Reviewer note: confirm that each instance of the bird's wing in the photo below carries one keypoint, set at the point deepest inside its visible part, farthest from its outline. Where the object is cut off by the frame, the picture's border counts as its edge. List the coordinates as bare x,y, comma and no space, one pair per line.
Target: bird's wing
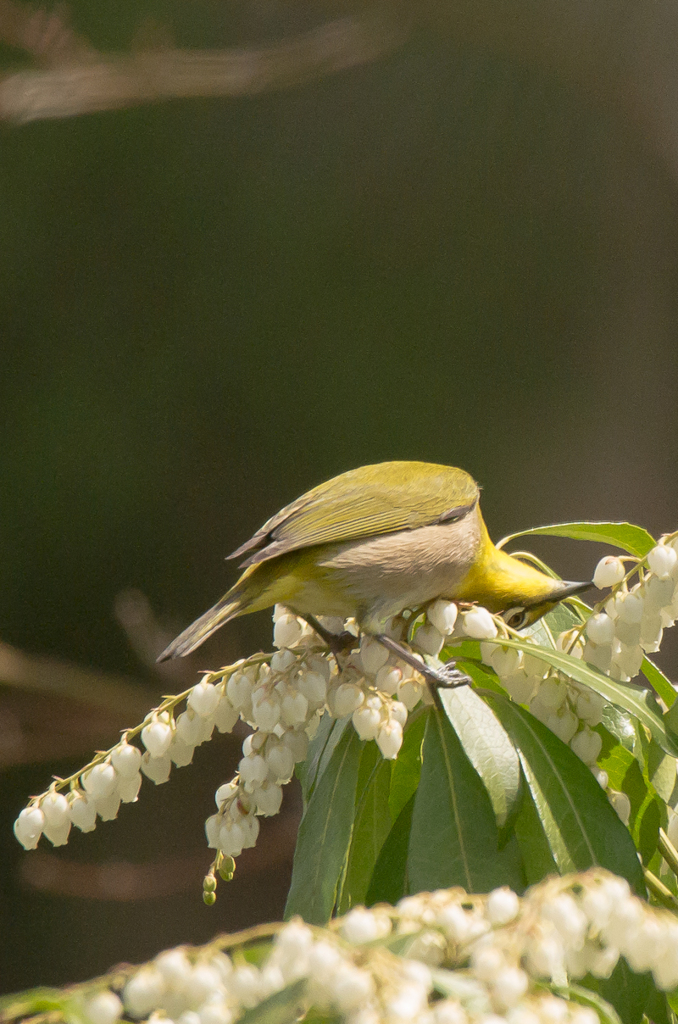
365,502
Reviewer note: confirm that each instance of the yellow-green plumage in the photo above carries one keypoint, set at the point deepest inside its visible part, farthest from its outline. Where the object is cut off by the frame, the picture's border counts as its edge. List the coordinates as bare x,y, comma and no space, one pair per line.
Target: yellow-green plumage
371,542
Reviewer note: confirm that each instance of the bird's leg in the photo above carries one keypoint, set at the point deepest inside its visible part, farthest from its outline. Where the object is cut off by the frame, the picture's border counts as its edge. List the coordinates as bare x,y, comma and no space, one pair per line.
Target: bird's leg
448,676
342,643
338,643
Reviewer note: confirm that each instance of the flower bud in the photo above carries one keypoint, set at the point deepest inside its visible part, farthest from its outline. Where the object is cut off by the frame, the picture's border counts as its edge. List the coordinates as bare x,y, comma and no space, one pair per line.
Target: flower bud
600,629
180,753
157,769
346,699
621,804
108,806
662,560
629,607
287,631
429,640
143,991
83,810
502,906
265,710
409,693
239,690
268,798
126,758
294,709
28,827
586,744
203,699
372,655
479,624
366,722
390,739
609,572
253,770
156,737
128,787
387,679
225,715
55,808
103,1008
280,761
100,781
443,615
282,661
313,686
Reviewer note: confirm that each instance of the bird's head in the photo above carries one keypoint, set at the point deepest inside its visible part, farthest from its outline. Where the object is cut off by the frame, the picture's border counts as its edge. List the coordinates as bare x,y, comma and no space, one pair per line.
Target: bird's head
513,588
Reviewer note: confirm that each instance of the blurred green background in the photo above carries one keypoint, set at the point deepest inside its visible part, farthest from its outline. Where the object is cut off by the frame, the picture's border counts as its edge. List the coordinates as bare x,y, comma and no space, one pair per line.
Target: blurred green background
458,253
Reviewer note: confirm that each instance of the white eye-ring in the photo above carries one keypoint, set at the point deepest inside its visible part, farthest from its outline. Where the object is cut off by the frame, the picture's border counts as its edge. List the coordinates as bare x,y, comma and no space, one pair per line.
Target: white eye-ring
516,618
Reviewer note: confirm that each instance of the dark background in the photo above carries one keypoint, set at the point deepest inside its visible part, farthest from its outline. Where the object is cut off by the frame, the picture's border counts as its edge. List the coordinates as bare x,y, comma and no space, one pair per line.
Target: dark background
466,253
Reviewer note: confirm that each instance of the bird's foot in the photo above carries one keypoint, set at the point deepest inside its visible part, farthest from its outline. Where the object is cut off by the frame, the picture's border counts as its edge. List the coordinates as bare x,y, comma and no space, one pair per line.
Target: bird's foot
450,676
338,643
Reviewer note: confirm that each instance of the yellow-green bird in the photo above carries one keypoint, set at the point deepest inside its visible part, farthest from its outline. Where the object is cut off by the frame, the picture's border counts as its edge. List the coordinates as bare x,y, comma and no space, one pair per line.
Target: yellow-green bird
372,542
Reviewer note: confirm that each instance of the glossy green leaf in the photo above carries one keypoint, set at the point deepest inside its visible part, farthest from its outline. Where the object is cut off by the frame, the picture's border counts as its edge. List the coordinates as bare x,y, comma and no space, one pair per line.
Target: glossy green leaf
581,827
661,770
389,882
487,747
538,862
320,751
633,539
586,997
407,766
372,825
454,838
325,834
282,1007
640,703
659,682
629,993
646,828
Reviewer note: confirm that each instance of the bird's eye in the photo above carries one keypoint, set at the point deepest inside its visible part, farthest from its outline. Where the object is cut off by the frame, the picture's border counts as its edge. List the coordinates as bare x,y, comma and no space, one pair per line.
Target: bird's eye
516,618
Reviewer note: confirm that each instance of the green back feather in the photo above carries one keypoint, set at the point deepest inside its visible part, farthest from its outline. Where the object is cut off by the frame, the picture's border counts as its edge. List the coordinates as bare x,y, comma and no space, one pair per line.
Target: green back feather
365,502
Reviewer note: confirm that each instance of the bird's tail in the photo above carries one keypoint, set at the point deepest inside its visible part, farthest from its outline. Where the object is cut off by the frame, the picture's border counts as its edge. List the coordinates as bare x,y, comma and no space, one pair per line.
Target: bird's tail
194,635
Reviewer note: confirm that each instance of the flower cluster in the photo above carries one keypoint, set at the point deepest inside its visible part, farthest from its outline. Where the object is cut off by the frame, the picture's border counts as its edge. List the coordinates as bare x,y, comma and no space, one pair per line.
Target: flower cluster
463,960
282,696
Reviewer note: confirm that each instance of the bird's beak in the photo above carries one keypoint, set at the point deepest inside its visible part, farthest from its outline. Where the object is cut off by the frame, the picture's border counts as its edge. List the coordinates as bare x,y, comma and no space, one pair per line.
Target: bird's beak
569,589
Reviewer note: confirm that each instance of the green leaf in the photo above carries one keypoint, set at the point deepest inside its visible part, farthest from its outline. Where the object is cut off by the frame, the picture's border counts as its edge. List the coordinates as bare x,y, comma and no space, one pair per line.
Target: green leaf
454,838
646,828
389,881
407,766
536,853
562,618
659,682
658,1009
487,747
625,774
640,703
581,827
629,993
661,770
282,1007
626,536
586,997
325,834
372,825
320,751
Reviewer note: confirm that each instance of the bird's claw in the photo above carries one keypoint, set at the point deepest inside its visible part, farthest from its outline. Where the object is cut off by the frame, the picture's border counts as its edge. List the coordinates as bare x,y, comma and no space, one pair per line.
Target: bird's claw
342,643
450,676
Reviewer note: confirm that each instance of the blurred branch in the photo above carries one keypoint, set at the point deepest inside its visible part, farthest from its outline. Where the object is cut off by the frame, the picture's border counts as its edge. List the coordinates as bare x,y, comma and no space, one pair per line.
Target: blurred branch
88,81
104,690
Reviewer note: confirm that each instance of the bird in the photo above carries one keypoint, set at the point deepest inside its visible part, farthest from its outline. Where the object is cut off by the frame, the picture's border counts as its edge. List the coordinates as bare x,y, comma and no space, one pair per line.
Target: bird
371,542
